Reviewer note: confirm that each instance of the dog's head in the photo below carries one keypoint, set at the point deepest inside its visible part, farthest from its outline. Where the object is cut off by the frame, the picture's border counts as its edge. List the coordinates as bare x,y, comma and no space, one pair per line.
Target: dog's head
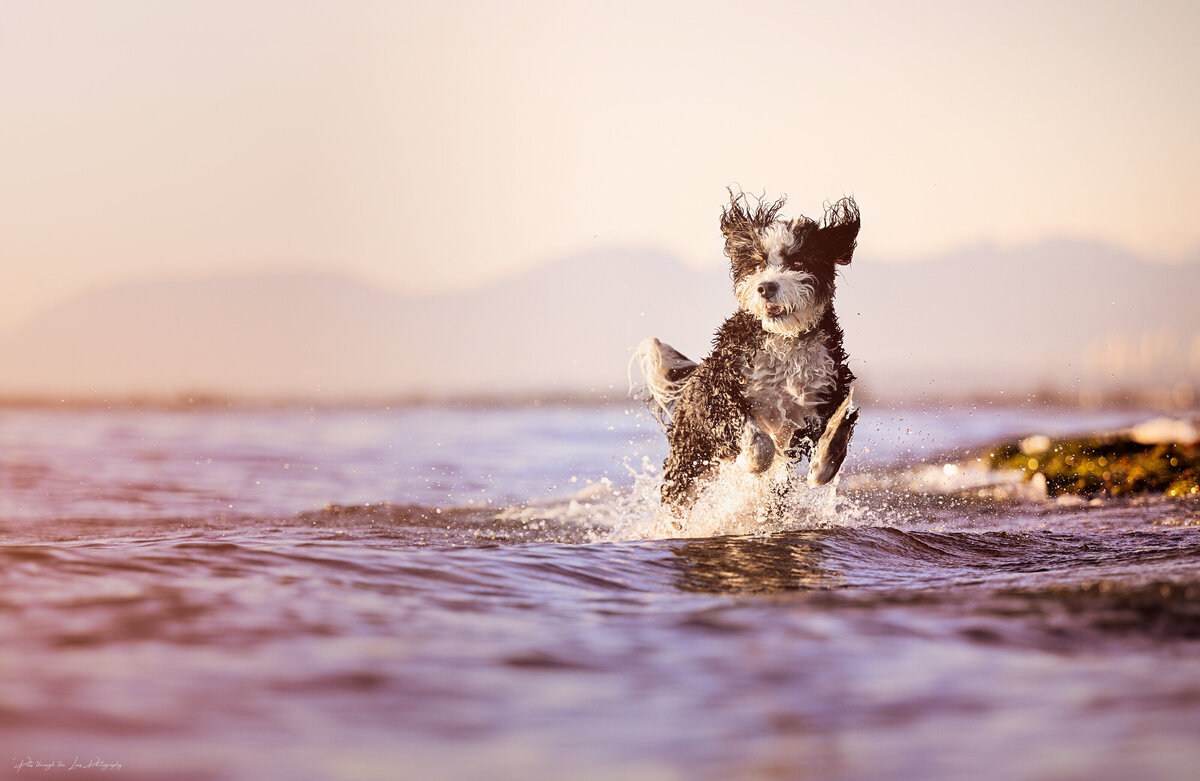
784,270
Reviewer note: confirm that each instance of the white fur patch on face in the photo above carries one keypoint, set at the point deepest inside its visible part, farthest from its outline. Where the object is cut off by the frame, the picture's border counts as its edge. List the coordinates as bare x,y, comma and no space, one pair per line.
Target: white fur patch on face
782,297
795,296
776,240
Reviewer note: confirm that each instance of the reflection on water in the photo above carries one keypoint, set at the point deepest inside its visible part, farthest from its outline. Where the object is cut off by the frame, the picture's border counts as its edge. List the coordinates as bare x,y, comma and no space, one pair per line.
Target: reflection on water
783,562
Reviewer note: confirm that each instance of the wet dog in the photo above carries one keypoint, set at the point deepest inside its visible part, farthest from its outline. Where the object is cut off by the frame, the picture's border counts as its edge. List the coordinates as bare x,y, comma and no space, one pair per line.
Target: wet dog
776,386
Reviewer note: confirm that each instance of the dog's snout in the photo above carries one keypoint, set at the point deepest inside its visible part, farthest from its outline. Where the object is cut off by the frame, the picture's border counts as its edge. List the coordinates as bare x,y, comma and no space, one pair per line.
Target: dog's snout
768,290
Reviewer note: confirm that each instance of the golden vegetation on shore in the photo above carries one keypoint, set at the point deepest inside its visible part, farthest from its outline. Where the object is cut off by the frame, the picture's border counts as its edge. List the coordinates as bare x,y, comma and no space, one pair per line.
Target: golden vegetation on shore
1160,456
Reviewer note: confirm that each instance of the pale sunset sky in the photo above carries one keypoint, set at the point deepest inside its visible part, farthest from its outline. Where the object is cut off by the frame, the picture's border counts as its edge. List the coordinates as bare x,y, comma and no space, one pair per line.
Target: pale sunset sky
424,146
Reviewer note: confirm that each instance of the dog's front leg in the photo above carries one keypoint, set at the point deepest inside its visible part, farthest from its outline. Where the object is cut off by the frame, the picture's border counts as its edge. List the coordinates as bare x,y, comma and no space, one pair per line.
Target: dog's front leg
757,449
830,450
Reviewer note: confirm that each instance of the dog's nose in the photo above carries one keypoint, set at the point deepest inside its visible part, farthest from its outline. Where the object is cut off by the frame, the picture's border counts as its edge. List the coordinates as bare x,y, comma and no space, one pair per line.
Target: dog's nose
768,290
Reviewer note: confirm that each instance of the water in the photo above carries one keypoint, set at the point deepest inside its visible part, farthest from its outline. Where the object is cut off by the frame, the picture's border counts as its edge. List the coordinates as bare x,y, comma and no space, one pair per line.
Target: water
433,592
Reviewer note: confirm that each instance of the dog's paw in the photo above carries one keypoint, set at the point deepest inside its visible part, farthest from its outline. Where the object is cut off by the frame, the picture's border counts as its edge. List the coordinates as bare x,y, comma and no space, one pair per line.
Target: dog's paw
830,451
757,449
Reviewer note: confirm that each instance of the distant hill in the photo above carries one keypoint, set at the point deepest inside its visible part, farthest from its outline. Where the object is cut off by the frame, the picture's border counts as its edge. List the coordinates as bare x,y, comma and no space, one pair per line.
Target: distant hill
1056,313
567,326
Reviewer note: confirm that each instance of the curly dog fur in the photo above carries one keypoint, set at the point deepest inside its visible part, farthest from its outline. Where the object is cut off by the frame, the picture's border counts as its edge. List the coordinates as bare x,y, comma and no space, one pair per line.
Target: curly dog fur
776,384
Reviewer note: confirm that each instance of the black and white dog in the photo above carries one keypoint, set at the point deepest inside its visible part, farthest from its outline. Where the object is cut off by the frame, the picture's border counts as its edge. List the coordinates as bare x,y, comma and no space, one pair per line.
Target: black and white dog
776,385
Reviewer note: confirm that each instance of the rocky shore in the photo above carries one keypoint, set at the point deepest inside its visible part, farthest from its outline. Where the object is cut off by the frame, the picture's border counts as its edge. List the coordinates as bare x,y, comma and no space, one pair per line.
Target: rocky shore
1160,456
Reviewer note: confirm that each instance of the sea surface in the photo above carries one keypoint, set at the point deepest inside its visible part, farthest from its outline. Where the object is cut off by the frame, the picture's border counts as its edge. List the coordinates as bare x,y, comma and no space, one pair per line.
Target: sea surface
442,592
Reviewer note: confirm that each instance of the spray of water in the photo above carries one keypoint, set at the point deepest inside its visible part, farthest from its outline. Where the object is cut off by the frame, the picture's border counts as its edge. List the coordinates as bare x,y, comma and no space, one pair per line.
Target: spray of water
733,502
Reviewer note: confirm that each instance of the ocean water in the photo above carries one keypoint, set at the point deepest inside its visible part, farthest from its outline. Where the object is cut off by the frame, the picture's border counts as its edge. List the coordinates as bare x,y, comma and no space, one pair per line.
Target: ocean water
434,592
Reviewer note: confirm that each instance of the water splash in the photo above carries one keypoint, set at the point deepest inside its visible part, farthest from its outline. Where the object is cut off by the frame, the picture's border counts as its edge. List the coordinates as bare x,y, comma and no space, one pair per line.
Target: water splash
733,502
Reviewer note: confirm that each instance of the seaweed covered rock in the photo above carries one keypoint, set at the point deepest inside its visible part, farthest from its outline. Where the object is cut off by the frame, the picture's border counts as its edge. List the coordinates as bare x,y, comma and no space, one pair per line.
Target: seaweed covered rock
1160,456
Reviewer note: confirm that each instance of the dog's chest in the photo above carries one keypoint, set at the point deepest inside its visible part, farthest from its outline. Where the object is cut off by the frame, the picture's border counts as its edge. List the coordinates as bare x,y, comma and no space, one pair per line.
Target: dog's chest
786,381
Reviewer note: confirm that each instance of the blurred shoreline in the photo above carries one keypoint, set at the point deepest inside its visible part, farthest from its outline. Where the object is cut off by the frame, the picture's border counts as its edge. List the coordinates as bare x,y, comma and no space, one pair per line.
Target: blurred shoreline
1176,398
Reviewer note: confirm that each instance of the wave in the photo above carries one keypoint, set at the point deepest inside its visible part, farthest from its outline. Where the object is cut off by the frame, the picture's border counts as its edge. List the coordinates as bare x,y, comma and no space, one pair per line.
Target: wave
887,541
922,497
1142,582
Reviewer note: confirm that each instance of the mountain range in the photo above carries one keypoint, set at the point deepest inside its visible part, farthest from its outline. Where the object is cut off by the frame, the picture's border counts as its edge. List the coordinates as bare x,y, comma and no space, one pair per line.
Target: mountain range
1054,314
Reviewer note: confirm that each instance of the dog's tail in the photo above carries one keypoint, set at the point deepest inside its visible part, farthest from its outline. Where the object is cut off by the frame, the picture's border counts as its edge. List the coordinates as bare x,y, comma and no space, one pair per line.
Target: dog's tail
664,371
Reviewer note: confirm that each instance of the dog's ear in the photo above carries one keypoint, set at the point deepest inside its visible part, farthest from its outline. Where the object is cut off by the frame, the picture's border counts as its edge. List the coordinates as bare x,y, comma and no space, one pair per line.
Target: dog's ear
740,217
838,235
735,218
736,224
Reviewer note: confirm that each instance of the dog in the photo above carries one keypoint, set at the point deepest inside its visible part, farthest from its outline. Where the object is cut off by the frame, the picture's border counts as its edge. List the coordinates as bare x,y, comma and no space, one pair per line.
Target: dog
776,387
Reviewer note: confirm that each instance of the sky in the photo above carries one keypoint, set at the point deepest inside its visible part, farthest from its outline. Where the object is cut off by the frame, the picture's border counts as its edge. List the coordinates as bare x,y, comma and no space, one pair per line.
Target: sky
426,147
